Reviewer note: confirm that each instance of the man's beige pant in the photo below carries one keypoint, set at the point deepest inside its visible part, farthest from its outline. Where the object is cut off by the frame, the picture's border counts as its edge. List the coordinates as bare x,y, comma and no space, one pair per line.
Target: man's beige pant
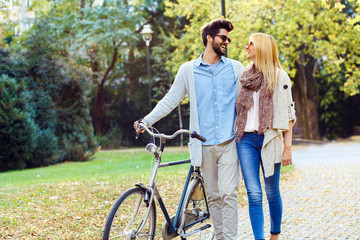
221,174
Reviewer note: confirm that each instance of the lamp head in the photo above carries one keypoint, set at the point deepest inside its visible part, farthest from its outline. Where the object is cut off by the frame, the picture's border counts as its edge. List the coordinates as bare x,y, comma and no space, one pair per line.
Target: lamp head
147,33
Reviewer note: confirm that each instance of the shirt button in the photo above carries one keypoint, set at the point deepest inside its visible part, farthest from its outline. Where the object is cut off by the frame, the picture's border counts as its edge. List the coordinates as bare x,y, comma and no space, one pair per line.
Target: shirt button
216,126
215,102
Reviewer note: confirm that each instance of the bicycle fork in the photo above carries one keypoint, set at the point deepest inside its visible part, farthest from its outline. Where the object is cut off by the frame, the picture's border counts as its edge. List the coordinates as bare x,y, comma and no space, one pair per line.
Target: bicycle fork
149,194
147,200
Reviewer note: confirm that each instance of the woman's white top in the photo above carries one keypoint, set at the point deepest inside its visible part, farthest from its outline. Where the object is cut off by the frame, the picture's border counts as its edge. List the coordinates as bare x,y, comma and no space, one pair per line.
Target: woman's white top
252,122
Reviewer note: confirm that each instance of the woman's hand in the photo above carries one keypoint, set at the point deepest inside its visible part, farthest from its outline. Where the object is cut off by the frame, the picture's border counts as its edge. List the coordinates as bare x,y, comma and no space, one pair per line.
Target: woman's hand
286,157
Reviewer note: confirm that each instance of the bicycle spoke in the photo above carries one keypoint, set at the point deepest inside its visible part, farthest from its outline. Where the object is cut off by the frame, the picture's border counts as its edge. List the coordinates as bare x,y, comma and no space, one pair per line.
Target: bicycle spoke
135,212
127,219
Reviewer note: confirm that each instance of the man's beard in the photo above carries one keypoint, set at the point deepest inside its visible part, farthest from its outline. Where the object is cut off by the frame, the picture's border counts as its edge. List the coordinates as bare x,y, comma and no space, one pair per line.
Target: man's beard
217,49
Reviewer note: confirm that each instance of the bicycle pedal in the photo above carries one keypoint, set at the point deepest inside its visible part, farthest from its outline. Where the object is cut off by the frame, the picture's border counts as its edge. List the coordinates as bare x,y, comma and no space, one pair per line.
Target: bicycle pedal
194,212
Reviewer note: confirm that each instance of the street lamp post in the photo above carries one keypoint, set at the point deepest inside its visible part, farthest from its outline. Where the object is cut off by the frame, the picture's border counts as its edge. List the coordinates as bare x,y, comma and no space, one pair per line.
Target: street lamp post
147,36
223,16
223,8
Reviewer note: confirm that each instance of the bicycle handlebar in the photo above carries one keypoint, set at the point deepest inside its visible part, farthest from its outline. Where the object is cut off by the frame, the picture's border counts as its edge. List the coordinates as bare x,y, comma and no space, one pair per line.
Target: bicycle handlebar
193,134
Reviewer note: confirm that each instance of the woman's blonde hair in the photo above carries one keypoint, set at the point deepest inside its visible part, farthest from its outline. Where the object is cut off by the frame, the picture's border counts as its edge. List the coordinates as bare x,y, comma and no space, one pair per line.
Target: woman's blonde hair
267,60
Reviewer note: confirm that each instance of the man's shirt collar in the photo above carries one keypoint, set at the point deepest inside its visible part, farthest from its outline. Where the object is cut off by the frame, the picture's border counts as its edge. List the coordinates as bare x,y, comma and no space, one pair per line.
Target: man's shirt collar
200,61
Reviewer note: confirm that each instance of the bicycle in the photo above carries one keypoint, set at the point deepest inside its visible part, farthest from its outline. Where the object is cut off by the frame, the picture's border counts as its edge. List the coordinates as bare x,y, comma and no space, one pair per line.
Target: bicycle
133,215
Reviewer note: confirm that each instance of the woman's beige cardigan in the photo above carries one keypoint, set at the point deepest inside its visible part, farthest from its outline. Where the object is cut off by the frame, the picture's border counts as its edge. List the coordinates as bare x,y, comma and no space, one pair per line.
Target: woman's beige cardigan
284,111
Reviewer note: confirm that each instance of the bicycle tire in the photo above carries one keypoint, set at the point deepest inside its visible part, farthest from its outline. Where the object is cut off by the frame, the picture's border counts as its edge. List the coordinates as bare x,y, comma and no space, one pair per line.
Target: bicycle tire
122,223
194,208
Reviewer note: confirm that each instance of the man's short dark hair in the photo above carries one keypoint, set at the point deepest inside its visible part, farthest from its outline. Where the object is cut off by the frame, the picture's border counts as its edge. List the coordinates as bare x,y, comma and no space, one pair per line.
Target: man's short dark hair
212,28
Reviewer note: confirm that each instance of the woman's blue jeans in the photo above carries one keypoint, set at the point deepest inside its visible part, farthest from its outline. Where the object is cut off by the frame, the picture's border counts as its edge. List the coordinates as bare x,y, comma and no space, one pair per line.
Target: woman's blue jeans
249,151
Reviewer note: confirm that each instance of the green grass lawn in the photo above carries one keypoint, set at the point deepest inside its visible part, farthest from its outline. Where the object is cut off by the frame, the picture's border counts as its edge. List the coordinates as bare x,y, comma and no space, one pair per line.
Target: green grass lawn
105,165
72,200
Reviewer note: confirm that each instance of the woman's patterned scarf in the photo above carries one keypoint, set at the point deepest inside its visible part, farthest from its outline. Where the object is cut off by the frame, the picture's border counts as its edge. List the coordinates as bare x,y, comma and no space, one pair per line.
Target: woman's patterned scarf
252,80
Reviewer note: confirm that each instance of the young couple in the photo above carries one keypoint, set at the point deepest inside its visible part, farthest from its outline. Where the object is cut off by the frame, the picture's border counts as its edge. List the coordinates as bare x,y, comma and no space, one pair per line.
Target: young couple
242,113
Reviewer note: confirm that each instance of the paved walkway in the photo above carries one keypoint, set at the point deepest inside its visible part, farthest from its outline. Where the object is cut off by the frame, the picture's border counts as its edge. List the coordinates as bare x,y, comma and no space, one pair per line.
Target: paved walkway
322,200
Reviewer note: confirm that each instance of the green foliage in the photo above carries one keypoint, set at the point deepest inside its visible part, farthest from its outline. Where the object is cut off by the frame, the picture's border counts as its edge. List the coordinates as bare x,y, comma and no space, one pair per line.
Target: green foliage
17,128
337,110
320,29
64,88
121,113
28,121
112,140
74,51
74,128
88,39
56,112
126,91
327,32
188,45
6,62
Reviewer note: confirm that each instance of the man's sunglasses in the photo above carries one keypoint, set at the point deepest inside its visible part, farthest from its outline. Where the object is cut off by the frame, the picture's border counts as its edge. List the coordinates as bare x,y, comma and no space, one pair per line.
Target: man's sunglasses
224,38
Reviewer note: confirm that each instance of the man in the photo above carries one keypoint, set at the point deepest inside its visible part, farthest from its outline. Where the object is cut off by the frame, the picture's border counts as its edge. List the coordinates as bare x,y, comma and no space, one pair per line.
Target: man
210,82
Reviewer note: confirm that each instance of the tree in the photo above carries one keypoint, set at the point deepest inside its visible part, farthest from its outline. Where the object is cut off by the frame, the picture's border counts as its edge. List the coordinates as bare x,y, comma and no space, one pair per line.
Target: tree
45,102
104,43
319,37
102,38
126,97
65,86
17,128
27,119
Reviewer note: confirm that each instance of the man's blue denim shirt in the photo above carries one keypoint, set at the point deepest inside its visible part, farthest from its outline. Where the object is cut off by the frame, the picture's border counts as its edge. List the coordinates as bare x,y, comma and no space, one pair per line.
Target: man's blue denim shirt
215,96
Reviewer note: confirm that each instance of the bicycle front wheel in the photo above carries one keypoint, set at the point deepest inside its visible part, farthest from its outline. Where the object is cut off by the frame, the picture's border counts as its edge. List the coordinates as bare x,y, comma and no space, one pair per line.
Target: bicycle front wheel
195,209
127,215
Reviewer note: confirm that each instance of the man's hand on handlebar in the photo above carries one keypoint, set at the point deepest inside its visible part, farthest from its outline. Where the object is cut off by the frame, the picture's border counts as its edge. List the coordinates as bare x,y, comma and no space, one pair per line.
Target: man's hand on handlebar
136,123
143,125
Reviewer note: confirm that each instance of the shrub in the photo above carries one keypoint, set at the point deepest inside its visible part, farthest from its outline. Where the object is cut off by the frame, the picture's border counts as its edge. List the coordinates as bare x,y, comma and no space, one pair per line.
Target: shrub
17,128
44,110
112,140
74,127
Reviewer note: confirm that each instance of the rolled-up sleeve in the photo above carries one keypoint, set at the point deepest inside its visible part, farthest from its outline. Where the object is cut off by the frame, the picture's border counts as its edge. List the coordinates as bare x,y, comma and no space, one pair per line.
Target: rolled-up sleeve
291,110
290,103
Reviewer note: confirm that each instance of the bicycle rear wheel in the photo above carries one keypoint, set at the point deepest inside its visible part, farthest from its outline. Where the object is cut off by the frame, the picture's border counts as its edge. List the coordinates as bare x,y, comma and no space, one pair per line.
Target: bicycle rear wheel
127,215
195,208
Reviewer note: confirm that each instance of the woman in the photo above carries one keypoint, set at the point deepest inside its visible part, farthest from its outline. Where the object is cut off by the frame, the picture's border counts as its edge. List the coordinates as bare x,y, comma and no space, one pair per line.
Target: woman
264,111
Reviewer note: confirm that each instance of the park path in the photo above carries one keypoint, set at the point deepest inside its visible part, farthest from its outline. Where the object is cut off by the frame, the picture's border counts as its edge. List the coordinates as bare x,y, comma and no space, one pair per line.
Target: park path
322,200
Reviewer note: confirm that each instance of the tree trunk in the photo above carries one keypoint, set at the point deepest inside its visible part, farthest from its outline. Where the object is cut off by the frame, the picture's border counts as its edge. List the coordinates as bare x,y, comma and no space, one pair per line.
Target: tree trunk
306,97
132,72
356,100
98,111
